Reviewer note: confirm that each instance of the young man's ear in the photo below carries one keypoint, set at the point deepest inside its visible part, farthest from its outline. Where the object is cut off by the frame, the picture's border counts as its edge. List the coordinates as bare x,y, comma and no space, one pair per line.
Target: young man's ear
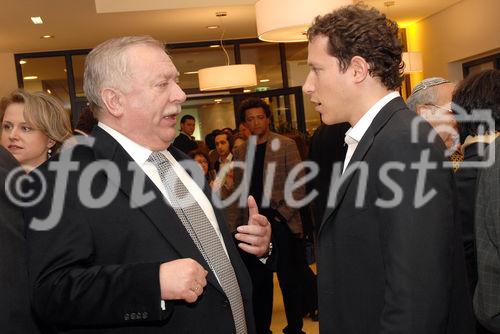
113,100
360,68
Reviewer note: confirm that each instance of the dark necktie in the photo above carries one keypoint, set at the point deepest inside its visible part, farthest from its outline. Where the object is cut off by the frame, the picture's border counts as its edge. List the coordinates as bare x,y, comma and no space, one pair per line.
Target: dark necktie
204,236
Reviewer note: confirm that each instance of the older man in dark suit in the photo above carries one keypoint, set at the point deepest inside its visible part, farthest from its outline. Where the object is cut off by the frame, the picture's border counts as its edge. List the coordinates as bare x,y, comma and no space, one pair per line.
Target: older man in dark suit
128,241
15,310
389,253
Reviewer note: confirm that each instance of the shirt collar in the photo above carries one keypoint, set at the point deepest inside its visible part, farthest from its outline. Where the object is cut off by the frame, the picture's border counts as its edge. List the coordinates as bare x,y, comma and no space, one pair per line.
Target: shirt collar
229,158
358,130
139,153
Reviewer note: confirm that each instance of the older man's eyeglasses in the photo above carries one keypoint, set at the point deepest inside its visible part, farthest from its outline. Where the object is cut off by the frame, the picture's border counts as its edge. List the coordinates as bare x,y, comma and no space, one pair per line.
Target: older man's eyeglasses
439,107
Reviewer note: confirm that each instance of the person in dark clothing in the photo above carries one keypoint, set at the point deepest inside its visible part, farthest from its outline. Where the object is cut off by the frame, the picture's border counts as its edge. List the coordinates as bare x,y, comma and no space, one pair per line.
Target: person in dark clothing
282,154
478,93
185,140
327,148
15,310
388,262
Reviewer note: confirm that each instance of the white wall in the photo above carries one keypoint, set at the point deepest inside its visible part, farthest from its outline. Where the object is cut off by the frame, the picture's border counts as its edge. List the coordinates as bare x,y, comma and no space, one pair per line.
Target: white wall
8,79
467,30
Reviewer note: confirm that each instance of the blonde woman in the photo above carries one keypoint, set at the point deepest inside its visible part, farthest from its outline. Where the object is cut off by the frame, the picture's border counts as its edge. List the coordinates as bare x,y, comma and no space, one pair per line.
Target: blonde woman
34,126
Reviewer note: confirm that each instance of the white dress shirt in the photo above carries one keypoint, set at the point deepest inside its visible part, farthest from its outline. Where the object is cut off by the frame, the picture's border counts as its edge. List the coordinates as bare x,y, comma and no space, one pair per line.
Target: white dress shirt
141,154
355,133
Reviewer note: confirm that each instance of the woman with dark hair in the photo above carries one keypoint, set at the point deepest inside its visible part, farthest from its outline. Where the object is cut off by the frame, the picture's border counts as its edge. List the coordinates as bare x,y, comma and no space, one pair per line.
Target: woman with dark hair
472,100
202,159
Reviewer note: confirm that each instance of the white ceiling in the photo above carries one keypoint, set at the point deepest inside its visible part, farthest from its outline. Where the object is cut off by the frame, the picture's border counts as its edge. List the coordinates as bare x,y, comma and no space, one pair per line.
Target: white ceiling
76,24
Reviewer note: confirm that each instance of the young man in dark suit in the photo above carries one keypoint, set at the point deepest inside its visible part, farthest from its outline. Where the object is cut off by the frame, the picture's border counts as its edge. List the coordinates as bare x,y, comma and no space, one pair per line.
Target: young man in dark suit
185,140
15,310
389,253
127,241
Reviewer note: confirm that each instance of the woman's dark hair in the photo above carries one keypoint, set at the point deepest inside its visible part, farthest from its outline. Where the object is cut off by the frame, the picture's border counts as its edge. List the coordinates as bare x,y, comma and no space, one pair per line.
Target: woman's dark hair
86,121
356,30
253,102
192,154
210,140
477,94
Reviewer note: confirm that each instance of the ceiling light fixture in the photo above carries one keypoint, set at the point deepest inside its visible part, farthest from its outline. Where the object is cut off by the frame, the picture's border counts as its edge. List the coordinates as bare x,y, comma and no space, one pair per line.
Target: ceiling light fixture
218,100
30,77
227,76
247,90
295,17
264,80
22,62
36,20
191,72
47,36
213,27
214,46
49,91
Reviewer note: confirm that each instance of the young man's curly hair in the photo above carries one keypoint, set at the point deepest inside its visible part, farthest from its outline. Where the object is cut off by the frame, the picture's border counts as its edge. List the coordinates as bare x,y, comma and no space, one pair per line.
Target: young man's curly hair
357,31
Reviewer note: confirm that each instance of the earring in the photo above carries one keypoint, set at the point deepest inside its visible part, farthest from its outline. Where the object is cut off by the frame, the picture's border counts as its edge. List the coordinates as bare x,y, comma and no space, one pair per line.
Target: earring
49,153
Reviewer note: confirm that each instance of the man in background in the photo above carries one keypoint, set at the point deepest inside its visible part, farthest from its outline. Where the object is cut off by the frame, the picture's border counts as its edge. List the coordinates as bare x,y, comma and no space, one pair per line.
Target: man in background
431,99
278,155
185,140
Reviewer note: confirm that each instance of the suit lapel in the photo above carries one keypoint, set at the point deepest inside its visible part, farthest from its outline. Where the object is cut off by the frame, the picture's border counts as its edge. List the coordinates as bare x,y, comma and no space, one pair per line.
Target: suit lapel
158,211
342,182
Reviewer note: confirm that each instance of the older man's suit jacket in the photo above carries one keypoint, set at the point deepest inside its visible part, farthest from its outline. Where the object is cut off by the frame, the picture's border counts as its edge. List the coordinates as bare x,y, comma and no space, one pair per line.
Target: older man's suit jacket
398,269
281,158
15,310
97,270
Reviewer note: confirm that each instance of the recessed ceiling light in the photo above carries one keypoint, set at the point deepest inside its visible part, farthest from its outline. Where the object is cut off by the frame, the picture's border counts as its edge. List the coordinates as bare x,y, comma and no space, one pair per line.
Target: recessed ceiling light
49,91
218,100
31,77
247,90
22,62
47,36
191,72
36,20
264,80
214,45
213,27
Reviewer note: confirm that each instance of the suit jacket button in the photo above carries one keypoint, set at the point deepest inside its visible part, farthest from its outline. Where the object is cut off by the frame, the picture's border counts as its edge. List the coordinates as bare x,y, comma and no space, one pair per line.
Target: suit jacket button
126,317
132,316
144,315
226,304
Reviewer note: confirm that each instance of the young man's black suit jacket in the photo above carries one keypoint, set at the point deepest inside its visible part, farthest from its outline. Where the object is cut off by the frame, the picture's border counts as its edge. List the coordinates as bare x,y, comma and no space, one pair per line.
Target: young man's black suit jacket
15,310
394,270
97,271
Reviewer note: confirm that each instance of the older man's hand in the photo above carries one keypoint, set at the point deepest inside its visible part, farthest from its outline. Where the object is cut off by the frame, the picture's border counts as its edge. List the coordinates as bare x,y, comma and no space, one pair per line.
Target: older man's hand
256,236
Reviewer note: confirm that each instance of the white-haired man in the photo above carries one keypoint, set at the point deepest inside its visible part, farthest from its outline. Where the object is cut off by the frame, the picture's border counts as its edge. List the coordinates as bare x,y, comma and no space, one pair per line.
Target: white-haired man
155,257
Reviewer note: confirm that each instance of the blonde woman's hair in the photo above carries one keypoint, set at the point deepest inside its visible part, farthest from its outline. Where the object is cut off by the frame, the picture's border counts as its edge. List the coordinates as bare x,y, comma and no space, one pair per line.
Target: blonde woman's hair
42,111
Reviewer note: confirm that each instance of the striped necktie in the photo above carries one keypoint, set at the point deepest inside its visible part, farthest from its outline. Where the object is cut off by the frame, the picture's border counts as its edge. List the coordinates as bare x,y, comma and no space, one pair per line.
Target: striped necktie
204,236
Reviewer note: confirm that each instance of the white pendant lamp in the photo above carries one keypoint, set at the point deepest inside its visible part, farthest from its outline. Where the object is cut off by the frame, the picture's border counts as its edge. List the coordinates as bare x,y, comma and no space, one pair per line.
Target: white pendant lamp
287,20
227,76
